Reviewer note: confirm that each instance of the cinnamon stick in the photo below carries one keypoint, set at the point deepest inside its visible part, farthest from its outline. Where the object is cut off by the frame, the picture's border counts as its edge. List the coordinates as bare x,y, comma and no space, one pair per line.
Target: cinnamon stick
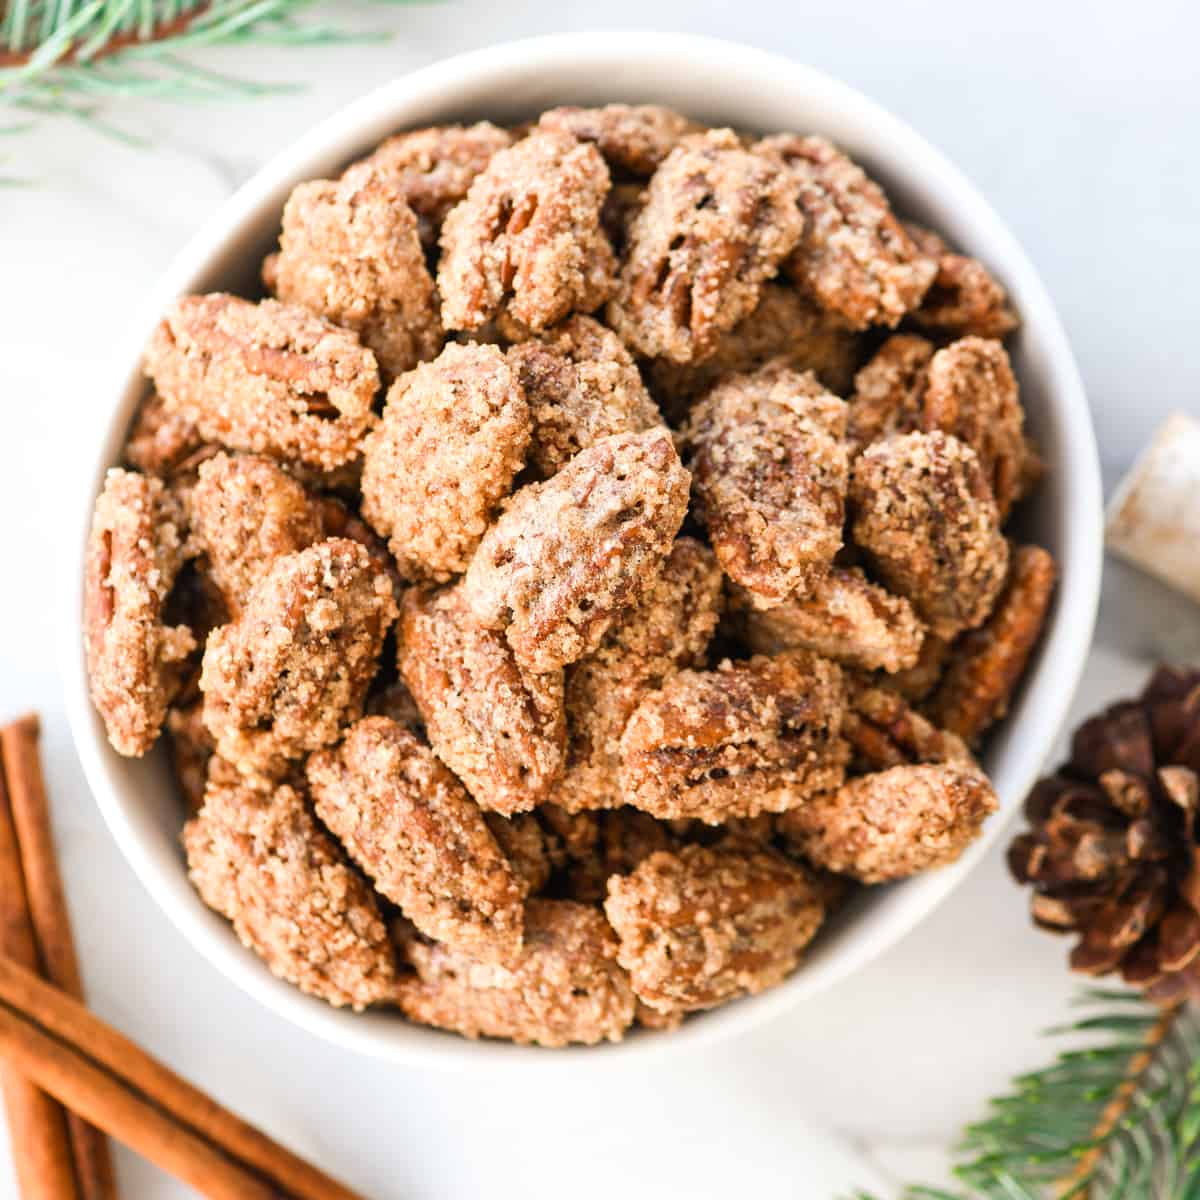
95,1071
47,907
36,1122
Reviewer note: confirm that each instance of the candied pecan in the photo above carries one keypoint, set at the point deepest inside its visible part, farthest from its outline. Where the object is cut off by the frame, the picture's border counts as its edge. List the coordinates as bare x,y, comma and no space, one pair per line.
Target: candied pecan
972,394
964,298
434,167
267,377
917,681
702,925
893,823
565,987
396,702
294,668
620,207
134,660
192,748
883,731
256,855
349,252
785,326
163,443
412,828
581,384
670,628
988,662
926,516
770,472
498,727
453,435
527,238
523,842
244,512
854,257
625,837
716,222
749,737
846,618
569,555
634,138
889,391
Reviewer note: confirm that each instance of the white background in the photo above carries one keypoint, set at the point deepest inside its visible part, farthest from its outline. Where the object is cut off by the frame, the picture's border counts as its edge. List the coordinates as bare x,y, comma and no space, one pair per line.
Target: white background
1079,121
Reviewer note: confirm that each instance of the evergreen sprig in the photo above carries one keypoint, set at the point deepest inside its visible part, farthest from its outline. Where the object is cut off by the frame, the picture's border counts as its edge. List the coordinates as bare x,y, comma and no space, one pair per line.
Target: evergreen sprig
1118,1119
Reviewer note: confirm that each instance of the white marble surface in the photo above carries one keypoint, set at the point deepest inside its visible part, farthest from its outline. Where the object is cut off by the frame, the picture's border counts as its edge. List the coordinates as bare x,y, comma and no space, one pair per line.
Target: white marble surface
1079,123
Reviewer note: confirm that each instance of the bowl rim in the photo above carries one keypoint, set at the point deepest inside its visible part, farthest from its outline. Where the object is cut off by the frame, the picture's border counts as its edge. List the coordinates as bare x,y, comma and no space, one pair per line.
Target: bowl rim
1049,687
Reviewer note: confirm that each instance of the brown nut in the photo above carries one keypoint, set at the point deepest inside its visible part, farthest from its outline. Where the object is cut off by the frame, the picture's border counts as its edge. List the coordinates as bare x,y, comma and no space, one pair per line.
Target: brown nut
412,828
769,479
568,556
633,138
702,925
523,842
889,391
192,748
883,731
164,443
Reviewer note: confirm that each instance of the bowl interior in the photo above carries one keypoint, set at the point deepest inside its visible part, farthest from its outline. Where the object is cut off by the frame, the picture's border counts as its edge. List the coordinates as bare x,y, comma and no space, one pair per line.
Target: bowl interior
721,84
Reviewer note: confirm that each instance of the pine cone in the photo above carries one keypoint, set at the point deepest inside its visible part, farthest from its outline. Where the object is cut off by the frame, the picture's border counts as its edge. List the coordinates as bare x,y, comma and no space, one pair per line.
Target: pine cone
1112,853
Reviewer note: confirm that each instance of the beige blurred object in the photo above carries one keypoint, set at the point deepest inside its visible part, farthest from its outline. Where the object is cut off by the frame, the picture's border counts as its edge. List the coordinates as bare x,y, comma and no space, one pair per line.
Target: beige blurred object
1154,516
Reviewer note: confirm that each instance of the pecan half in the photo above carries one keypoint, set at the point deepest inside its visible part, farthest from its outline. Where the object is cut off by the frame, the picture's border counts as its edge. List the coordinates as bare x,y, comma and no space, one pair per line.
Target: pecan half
192,748
164,443
633,138
883,731
889,391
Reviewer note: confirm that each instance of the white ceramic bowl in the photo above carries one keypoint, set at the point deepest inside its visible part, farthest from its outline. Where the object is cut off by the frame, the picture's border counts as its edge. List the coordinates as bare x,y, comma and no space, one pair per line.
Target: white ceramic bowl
719,83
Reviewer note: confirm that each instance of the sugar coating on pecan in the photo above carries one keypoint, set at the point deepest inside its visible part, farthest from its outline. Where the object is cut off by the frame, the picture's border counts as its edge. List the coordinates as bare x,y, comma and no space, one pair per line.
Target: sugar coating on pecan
845,617
924,513
256,855
884,731
634,138
785,326
192,748
716,222
499,727
523,842
916,682
268,377
581,384
669,629
964,298
769,472
527,238
411,827
625,838
293,669
703,925
394,701
567,556
350,252
893,823
756,736
243,513
989,661
565,987
163,443
854,258
134,553
454,434
889,391
434,167
972,394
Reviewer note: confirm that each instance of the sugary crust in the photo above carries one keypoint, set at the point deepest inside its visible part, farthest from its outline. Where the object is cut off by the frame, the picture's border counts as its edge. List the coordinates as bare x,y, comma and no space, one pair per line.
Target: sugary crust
434,167
396,702
134,553
670,628
293,669
244,512
256,855
846,617
889,391
924,513
350,252
915,683
581,385
716,222
894,823
527,238
497,726
566,986
192,748
988,663
703,925
163,443
785,326
569,555
412,828
769,478
267,377
523,842
854,257
749,737
454,434
964,298
633,138
884,731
